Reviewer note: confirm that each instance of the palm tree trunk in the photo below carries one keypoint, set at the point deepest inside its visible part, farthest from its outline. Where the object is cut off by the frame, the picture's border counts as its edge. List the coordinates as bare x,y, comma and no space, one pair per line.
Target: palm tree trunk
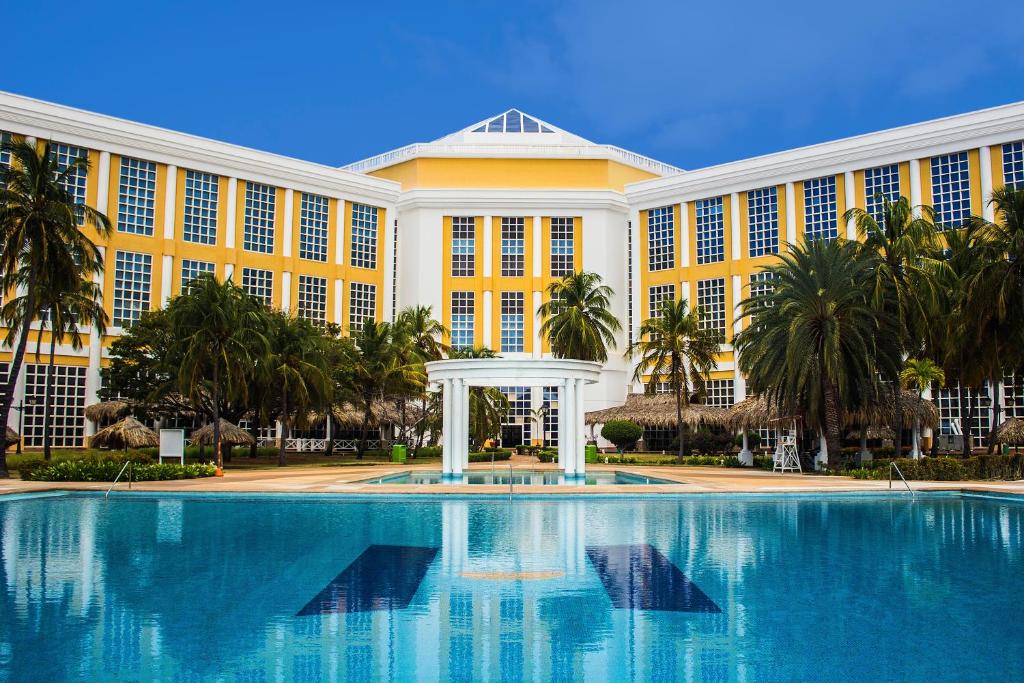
368,412
47,400
965,418
282,459
897,426
254,430
7,399
216,420
329,451
832,424
680,433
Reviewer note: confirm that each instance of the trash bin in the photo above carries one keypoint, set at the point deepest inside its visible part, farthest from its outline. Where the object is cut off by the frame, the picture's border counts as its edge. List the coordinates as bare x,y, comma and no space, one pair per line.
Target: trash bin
1006,449
590,453
398,452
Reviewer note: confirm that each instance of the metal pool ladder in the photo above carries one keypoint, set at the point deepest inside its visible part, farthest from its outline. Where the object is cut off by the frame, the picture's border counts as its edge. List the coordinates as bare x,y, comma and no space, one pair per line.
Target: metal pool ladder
510,482
893,466
126,466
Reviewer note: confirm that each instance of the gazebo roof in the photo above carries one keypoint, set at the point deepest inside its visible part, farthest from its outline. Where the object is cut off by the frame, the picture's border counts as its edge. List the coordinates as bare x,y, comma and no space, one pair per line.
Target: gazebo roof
658,410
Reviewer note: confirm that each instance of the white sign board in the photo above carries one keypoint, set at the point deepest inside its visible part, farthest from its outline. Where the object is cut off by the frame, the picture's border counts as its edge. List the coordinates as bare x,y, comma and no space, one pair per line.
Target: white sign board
172,444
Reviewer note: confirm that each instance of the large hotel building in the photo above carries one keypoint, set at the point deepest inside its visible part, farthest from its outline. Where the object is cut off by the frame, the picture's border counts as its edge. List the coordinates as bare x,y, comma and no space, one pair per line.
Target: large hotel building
476,225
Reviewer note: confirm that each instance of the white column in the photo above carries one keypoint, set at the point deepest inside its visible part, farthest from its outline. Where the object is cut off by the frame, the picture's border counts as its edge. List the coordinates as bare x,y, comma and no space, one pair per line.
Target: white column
822,456
458,423
988,211
229,229
289,210
488,229
637,290
486,320
581,438
464,440
684,236
537,345
927,395
229,271
684,288
166,273
851,201
338,290
339,233
790,213
734,223
389,263
563,448
92,377
286,291
571,440
446,427
103,182
170,201
538,247
915,186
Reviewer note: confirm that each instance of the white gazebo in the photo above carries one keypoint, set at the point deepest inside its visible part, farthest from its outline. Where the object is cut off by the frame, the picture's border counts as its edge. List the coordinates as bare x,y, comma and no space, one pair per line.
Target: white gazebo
456,376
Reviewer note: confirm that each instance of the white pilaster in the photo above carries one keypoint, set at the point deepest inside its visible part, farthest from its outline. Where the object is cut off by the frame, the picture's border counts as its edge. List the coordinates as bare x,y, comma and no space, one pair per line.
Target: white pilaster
790,213
446,427
684,236
286,291
464,440
685,293
915,186
851,201
581,437
563,447
457,426
571,438
988,211
486,320
488,239
338,289
389,263
289,212
103,182
734,224
166,273
737,296
537,346
170,201
538,247
229,271
229,229
92,375
339,233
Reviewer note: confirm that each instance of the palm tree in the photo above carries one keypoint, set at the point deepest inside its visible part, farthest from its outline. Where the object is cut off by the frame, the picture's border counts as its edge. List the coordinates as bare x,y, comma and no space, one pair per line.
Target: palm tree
39,234
576,317
418,339
676,347
297,368
903,289
220,332
918,374
810,345
488,407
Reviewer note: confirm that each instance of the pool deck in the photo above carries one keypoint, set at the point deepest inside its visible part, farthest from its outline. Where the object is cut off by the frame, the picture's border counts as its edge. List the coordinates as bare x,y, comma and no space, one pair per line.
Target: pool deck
351,480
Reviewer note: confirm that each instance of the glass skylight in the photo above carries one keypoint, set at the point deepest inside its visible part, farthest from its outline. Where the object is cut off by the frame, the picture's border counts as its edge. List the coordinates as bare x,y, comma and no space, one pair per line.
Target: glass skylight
512,121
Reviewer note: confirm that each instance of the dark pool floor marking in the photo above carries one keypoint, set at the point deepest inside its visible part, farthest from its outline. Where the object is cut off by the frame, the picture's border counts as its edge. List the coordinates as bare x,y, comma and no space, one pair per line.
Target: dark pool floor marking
384,577
640,577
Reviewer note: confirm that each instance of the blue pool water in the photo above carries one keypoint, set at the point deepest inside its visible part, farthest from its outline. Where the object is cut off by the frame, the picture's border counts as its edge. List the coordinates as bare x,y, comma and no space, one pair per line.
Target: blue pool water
303,587
520,478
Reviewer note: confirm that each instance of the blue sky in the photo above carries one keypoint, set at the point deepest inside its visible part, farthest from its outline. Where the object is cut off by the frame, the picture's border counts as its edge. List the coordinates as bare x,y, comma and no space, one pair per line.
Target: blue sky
691,84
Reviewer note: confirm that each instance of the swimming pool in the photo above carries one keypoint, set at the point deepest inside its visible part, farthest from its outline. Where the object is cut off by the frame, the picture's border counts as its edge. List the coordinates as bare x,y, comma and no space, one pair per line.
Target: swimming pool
703,587
520,478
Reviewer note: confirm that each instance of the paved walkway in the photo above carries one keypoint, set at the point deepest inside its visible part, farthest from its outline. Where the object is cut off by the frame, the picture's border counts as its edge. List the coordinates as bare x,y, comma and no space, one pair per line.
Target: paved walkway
325,479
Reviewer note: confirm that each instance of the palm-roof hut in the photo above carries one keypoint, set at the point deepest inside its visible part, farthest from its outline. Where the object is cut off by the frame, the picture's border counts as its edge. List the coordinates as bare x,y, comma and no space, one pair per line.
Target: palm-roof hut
229,433
11,437
107,411
127,433
882,413
1011,431
658,411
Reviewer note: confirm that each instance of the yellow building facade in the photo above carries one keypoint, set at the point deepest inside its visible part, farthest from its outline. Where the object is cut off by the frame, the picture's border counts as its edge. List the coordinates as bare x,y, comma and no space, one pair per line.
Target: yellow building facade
476,225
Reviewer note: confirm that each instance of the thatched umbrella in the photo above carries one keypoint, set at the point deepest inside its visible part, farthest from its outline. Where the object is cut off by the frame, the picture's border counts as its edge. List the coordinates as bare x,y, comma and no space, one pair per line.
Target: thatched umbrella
11,437
229,433
658,410
128,433
106,411
883,413
1011,431
754,412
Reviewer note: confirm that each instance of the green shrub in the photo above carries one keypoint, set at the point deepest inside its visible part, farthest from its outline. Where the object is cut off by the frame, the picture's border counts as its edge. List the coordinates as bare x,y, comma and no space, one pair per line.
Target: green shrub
764,462
428,452
623,433
1002,467
753,440
107,470
547,455
486,456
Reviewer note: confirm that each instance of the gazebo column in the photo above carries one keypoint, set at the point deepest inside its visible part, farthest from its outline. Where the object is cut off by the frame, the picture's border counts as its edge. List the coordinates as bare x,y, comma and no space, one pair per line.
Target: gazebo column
459,420
464,444
571,456
562,442
581,436
746,457
447,443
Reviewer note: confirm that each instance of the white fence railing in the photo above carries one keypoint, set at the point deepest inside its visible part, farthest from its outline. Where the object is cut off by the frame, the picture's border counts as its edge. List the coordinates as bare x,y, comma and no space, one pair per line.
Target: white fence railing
320,445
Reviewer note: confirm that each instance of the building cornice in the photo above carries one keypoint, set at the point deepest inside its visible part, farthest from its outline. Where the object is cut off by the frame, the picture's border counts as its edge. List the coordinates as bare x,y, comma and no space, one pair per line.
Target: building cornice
527,200
916,141
45,120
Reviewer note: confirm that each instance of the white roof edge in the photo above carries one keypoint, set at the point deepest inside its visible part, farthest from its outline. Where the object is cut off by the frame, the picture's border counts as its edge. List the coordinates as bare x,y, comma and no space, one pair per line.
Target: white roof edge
45,120
916,140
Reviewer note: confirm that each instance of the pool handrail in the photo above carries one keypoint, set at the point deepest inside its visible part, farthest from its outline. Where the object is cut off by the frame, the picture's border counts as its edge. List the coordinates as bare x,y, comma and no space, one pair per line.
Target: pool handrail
127,466
905,482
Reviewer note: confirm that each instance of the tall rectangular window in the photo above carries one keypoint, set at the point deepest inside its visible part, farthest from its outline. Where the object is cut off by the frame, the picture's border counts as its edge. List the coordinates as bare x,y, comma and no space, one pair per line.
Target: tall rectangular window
761,283
67,408
513,322
313,216
5,156
880,182
1013,165
133,275
463,246
136,197
563,246
947,400
199,217
191,269
661,238
710,230
763,221
951,189
720,393
364,236
312,299
74,183
520,412
1013,394
550,406
259,283
711,301
656,296
463,319
513,247
820,208
362,305
258,221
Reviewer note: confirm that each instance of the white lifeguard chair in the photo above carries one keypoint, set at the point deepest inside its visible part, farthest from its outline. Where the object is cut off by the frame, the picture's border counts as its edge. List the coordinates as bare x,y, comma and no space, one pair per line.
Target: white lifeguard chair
787,456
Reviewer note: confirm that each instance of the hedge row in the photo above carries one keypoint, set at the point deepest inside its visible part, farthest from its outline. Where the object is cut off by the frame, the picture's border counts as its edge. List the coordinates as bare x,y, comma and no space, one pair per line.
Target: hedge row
1003,467
485,456
107,470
